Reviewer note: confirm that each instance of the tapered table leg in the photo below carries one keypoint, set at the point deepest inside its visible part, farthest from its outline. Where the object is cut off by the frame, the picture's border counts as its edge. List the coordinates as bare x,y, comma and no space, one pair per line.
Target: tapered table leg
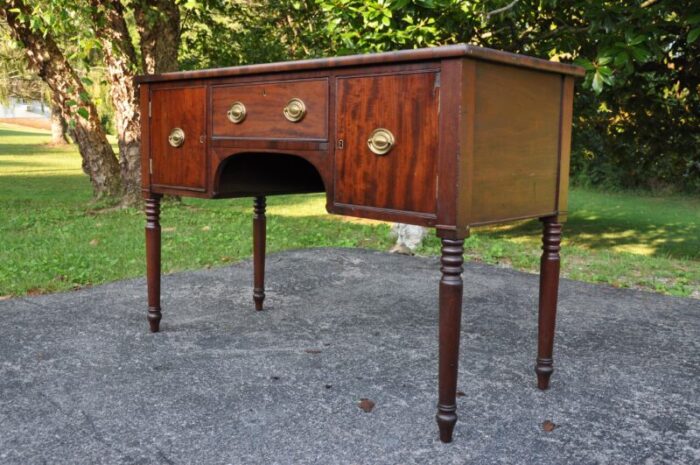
450,320
259,227
153,260
549,288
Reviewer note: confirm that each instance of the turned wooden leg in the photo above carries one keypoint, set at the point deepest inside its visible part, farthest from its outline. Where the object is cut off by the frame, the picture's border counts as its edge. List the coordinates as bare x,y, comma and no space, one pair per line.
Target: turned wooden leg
153,260
549,287
450,320
259,225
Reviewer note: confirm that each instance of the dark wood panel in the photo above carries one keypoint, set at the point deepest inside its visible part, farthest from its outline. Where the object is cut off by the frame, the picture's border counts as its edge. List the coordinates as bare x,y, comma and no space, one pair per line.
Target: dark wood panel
144,96
405,178
456,145
383,214
516,143
264,105
435,53
183,166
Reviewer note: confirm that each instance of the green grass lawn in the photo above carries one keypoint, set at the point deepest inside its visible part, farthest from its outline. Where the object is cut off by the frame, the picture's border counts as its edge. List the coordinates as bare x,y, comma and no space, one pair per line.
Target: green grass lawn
53,237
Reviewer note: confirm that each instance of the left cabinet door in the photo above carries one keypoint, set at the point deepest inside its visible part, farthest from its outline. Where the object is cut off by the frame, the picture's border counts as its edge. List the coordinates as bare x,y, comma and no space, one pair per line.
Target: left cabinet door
178,138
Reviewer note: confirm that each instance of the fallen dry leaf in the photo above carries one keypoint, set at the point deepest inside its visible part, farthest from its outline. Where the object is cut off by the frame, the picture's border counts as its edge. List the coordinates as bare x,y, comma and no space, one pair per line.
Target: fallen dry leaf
313,351
94,242
548,426
206,228
169,229
366,405
460,394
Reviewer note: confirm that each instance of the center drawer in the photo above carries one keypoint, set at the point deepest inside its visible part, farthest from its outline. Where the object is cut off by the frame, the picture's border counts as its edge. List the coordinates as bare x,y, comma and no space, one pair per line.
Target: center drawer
271,110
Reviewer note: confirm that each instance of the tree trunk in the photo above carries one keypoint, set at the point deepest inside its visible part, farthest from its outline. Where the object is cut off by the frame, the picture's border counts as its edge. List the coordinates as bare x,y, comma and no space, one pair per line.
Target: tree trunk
158,23
44,56
121,61
58,126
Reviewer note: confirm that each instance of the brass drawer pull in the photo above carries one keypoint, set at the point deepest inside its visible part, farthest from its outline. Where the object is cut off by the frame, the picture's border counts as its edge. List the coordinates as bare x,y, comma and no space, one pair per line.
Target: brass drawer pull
176,137
295,110
236,114
380,141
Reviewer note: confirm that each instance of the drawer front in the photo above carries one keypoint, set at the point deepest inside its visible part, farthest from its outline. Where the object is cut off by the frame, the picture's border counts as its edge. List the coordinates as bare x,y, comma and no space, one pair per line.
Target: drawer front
406,106
265,110
175,164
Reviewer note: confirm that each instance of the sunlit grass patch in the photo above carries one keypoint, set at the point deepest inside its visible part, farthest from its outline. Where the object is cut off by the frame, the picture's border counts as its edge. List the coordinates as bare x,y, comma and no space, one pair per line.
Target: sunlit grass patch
53,237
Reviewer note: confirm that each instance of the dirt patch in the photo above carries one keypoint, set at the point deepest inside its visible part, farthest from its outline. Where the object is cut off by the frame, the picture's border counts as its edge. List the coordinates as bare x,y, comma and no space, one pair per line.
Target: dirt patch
37,123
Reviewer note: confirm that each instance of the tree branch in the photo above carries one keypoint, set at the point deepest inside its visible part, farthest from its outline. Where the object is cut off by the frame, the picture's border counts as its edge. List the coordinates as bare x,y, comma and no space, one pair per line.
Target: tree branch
501,10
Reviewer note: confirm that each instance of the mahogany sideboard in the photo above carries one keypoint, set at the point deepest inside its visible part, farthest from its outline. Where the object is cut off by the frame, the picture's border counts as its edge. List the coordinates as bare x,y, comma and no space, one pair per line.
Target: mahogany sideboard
448,138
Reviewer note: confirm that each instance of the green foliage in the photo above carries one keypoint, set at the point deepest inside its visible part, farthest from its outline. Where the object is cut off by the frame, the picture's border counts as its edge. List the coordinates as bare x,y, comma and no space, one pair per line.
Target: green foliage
637,112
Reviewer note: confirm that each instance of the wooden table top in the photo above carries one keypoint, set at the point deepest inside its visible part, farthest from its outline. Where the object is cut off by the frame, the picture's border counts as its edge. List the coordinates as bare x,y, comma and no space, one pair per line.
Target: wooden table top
402,56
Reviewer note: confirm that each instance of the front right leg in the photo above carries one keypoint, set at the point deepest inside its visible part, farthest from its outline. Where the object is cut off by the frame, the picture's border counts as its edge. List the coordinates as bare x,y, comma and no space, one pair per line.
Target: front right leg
153,260
449,333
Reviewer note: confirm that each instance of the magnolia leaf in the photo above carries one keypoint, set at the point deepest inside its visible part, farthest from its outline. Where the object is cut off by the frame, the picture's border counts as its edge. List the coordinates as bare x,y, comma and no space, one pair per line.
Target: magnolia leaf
694,19
639,53
636,40
693,35
587,65
597,83
622,58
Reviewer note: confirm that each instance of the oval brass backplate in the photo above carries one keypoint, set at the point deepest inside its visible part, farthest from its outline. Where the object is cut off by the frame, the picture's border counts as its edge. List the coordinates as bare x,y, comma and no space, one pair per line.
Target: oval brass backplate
236,114
176,137
295,110
380,141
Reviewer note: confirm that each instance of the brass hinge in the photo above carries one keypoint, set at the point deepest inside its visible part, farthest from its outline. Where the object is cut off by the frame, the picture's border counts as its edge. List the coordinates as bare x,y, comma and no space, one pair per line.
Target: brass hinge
150,166
149,108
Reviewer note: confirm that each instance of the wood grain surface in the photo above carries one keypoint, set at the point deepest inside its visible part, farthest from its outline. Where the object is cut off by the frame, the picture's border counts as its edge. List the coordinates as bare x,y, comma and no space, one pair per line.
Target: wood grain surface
264,104
405,178
184,166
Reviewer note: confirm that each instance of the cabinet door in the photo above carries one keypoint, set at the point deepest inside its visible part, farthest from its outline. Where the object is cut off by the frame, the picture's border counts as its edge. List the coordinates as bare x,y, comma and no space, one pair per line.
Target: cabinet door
184,165
406,105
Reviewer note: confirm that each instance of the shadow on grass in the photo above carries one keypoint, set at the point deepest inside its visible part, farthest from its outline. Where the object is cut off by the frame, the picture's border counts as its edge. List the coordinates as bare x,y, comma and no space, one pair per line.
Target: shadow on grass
19,133
674,240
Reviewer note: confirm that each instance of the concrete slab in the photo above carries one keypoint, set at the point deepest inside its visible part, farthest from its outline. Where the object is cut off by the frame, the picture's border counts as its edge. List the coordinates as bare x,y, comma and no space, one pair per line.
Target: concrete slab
83,382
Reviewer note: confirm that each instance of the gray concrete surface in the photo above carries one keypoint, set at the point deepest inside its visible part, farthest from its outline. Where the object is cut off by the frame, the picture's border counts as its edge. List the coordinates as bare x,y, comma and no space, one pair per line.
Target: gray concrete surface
83,382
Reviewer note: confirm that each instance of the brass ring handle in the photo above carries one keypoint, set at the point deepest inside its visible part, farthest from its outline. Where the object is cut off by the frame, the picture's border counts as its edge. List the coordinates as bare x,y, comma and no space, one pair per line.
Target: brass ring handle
236,114
295,110
381,141
176,137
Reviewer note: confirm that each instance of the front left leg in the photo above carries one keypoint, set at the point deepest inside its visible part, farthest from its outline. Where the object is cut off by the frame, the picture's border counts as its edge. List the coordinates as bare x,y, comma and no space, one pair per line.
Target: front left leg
259,227
449,333
153,260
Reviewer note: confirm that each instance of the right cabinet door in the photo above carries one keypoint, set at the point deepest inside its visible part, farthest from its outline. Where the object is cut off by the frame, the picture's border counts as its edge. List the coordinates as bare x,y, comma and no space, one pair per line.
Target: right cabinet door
387,141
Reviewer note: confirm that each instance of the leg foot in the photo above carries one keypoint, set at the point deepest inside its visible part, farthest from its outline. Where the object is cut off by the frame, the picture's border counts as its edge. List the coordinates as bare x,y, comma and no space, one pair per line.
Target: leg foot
446,420
154,316
153,260
450,320
259,226
549,288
